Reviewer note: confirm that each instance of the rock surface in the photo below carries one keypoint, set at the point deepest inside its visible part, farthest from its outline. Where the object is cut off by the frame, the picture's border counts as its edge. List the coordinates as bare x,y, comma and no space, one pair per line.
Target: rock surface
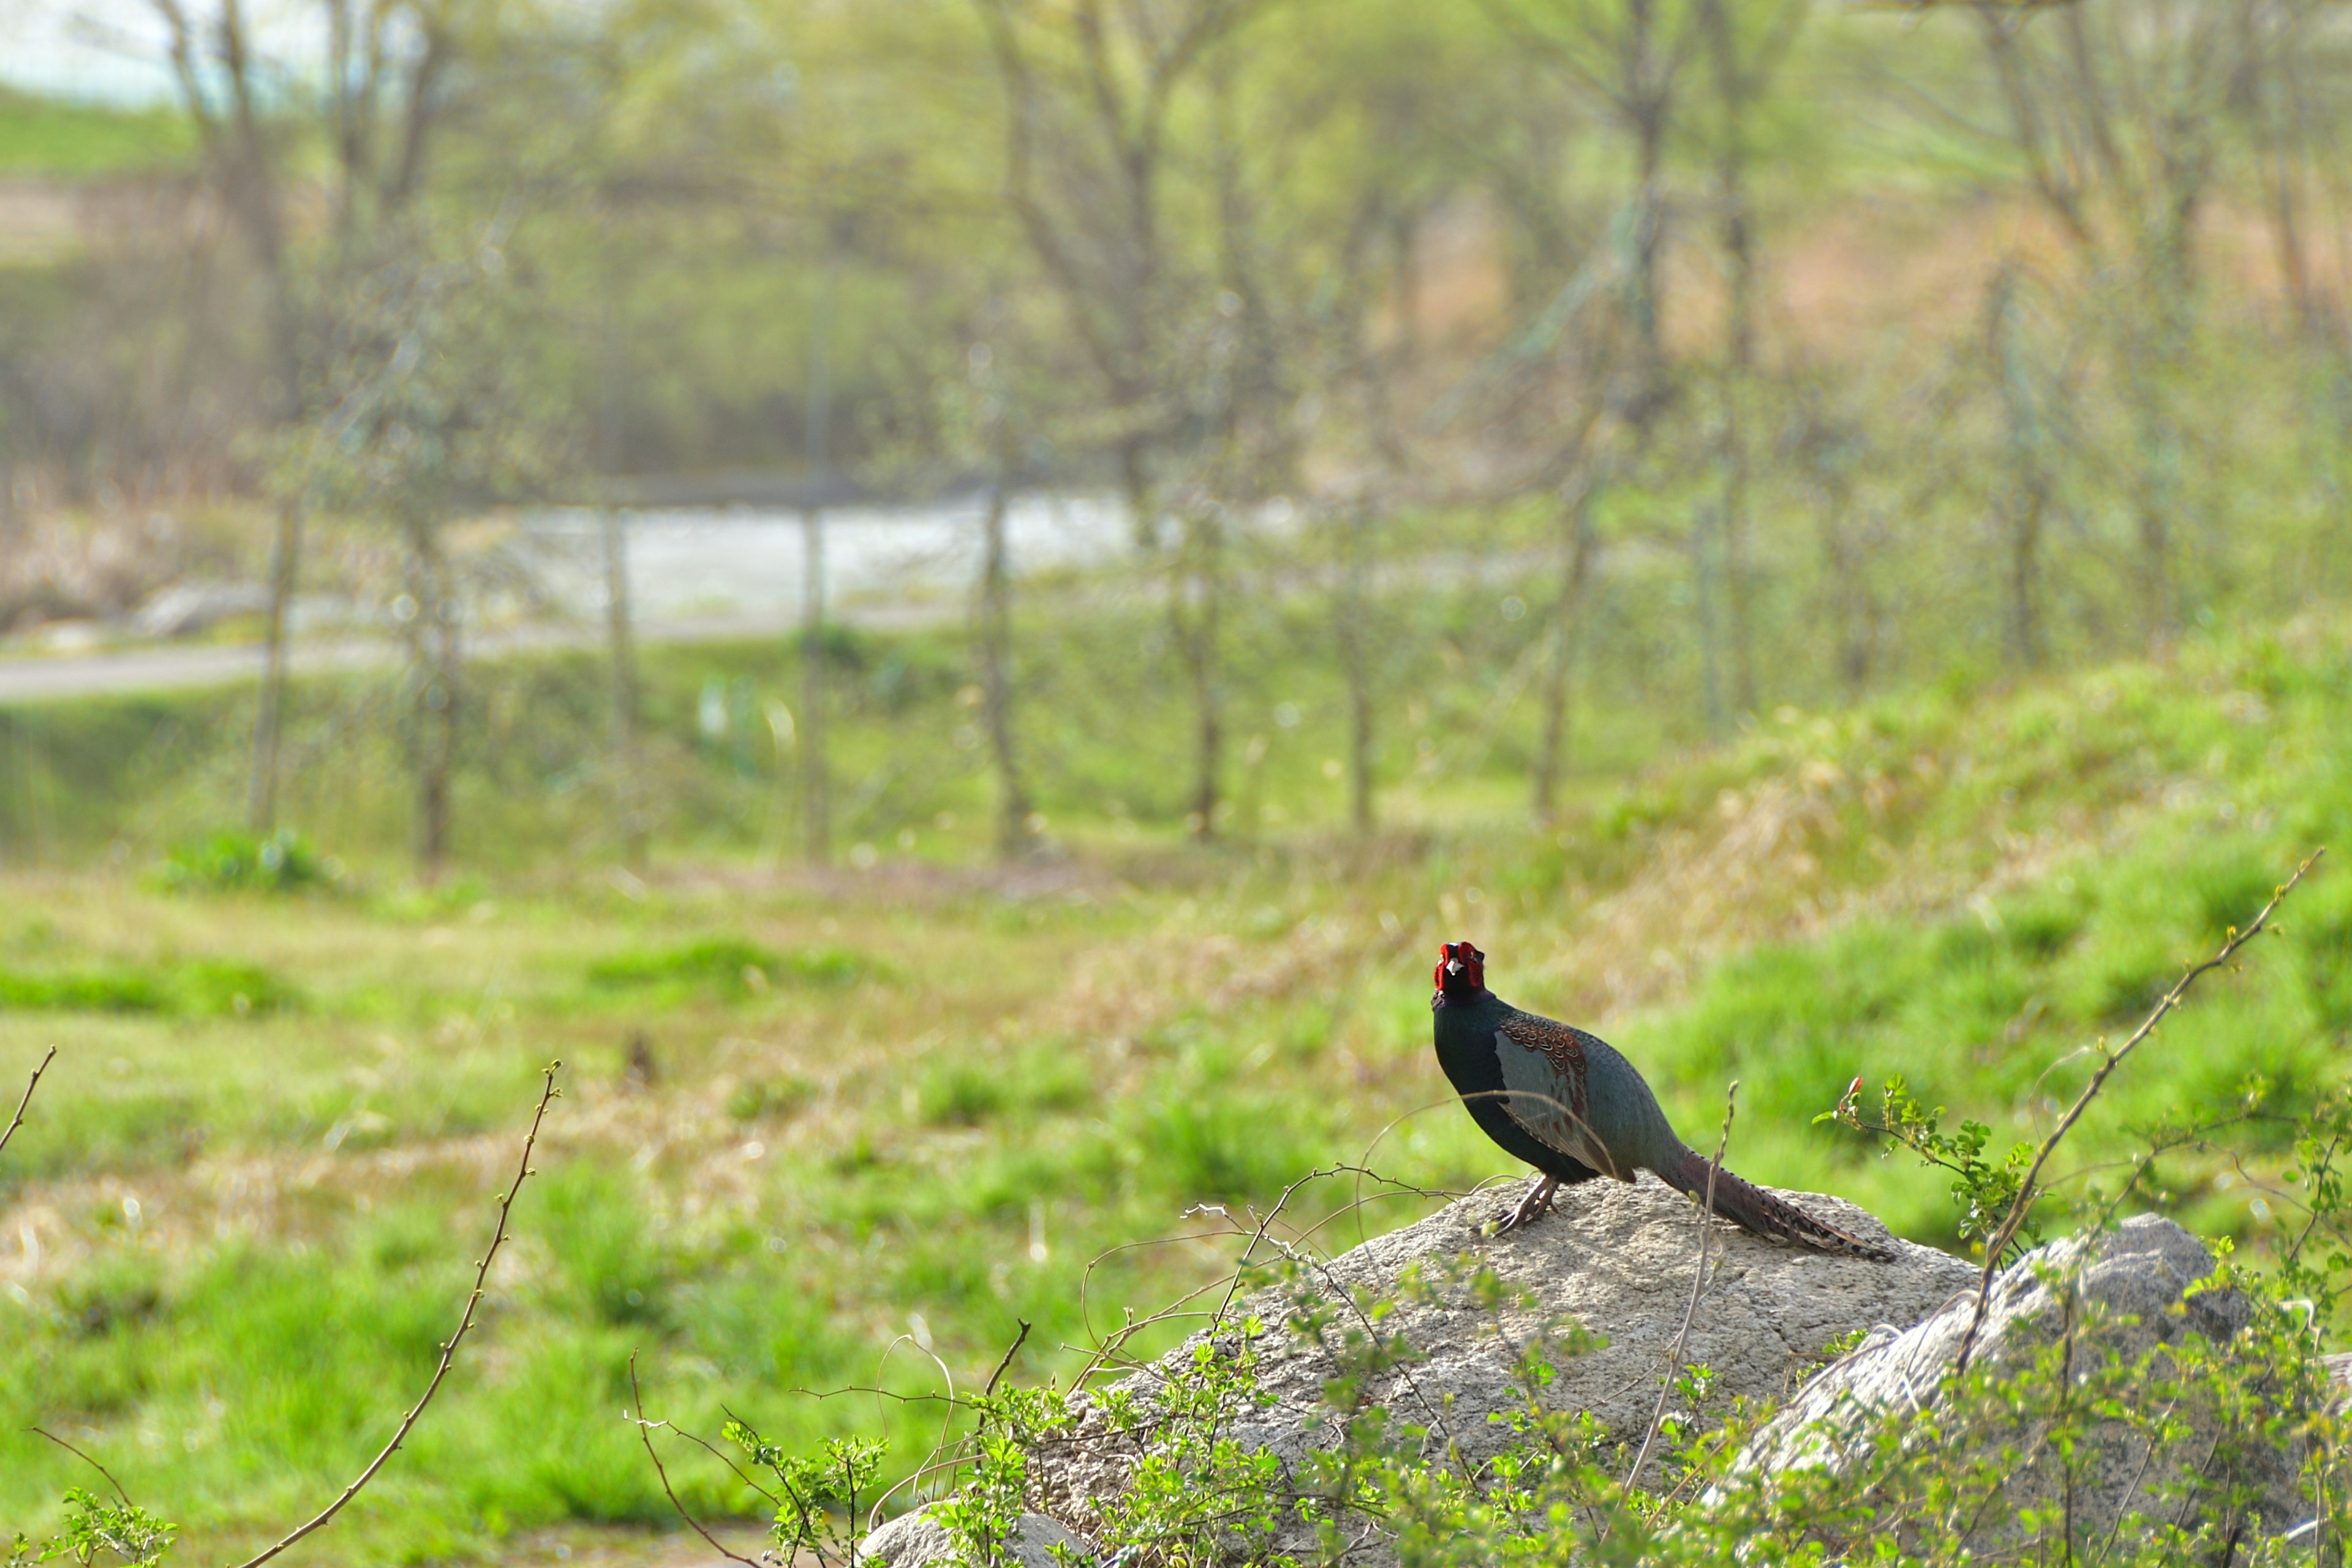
1616,1260
2122,1291
915,1540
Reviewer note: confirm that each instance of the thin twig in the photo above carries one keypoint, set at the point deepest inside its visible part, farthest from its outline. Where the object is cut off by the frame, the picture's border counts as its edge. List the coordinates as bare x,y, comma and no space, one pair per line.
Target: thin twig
646,1435
947,1420
704,1444
1699,1283
86,1459
1365,1158
2318,1174
21,1104
2018,1207
1019,1340
547,1093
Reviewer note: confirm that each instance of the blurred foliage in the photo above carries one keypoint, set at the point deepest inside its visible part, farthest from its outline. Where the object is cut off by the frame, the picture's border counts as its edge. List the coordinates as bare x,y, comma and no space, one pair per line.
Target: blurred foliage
281,862
1865,774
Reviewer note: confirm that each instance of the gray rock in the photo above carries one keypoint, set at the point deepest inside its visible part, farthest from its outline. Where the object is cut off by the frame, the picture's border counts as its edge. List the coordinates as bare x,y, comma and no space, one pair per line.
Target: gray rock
1618,1261
1613,1258
2120,1294
915,1540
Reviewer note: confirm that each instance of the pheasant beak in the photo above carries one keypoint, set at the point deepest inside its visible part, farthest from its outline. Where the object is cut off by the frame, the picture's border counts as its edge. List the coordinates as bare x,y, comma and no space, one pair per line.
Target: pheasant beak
1452,966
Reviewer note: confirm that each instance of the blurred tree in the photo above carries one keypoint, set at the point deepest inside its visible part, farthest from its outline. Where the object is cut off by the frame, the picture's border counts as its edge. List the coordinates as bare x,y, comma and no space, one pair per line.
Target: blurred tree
2117,112
375,100
1745,48
1096,98
428,415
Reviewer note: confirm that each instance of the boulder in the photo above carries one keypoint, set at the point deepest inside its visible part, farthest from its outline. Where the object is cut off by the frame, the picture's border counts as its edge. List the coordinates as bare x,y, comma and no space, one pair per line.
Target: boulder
1617,1262
917,1540
2119,1295
1612,1258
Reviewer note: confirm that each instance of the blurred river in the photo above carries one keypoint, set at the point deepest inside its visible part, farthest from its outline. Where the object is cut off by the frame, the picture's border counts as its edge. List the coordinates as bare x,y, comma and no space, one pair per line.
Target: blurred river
693,562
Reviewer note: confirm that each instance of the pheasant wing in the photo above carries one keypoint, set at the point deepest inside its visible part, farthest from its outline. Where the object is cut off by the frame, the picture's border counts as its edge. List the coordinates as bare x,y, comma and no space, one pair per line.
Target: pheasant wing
1543,1078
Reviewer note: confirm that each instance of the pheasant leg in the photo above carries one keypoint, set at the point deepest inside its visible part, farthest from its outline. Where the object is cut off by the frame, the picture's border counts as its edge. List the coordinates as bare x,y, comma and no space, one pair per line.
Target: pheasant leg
1533,1206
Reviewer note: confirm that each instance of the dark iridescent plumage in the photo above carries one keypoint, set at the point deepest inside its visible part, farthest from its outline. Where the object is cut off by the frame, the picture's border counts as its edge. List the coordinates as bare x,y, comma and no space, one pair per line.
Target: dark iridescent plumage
1569,1104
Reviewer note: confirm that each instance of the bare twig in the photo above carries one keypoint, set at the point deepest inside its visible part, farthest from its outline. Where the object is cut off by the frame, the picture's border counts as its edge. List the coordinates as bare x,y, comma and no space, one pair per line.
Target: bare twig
19,1119
1365,1158
705,1445
2018,1208
947,1418
1019,1340
1698,1284
547,1094
646,1435
86,1459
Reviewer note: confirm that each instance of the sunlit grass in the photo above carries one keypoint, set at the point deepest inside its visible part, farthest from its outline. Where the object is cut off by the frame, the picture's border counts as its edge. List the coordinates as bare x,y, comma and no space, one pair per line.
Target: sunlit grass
43,136
917,1100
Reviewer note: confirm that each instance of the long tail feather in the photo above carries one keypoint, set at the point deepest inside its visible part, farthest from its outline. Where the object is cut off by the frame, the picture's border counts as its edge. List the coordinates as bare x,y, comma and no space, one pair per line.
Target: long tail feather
1765,1214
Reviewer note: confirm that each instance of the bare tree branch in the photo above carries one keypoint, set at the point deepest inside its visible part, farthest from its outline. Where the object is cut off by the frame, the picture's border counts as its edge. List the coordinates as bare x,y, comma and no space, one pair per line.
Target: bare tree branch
86,1459
547,1092
18,1121
1999,1240
1019,1340
646,1434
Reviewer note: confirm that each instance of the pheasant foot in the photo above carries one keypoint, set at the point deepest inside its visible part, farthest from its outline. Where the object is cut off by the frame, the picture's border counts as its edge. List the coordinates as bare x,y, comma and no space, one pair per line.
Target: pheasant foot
1532,1207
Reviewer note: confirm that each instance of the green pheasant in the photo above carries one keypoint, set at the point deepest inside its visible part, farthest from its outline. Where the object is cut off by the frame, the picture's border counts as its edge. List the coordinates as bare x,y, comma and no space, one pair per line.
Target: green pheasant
1569,1105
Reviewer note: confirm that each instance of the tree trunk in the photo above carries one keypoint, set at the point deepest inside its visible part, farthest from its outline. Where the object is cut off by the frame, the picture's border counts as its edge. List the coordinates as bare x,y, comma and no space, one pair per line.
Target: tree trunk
1196,605
1733,518
816,801
1849,586
1740,350
1734,87
628,794
1014,838
2027,499
1649,106
436,653
1135,482
1703,608
1251,807
2158,489
285,556
817,805
1579,553
2025,574
629,819
1354,663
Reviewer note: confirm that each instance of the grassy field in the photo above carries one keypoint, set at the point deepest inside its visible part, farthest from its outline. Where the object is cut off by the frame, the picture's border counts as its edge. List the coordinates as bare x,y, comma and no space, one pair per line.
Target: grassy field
41,136
906,1105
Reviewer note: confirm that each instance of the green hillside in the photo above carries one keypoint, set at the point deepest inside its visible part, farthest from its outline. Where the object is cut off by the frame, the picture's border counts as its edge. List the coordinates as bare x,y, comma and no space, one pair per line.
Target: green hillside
916,1100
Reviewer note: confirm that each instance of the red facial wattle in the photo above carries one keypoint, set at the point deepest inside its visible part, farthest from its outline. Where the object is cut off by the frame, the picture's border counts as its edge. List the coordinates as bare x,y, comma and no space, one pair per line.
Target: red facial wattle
1471,973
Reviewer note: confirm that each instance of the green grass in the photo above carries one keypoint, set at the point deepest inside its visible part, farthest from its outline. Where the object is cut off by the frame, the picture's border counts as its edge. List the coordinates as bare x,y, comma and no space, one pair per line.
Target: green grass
726,966
47,136
201,988
230,1237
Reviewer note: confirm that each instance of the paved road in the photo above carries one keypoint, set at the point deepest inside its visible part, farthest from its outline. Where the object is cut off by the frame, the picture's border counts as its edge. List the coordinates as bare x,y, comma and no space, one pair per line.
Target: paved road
167,668
172,666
